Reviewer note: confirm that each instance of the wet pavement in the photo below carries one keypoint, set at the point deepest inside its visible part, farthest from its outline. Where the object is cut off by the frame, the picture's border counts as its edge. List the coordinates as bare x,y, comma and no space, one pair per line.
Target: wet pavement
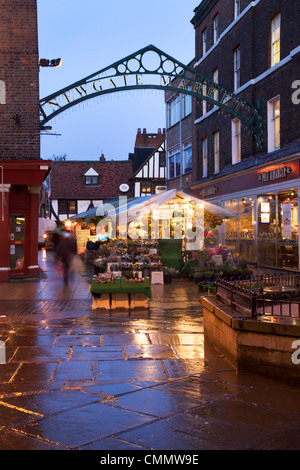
83,379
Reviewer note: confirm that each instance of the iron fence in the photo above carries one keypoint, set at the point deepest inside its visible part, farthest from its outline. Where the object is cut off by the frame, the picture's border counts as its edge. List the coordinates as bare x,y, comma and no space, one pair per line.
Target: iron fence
278,308
259,283
263,295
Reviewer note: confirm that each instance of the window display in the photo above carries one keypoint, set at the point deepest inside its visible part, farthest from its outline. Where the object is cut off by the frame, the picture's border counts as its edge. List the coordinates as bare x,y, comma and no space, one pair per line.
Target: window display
266,230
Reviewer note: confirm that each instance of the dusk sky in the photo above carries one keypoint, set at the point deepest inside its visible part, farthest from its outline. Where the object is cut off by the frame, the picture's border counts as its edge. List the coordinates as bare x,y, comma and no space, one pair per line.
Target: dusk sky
91,35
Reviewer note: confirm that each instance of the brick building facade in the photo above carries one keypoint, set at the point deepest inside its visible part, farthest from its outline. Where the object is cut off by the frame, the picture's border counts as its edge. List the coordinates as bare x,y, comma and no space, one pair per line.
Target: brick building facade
179,142
251,48
22,170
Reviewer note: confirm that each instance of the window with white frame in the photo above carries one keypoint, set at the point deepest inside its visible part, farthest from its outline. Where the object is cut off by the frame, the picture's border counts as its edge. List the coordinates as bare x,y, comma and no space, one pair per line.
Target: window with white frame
204,158
174,111
236,140
237,68
237,8
275,40
187,103
215,29
216,80
145,188
91,180
274,124
187,156
204,42
216,142
204,102
174,162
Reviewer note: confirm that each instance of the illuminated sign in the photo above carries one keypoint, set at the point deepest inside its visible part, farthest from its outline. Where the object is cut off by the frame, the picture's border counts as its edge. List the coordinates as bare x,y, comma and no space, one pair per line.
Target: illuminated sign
209,191
276,174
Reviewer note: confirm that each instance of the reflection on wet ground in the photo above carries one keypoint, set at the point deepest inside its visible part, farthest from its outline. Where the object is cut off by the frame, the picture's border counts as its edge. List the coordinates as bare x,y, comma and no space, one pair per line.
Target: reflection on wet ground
77,378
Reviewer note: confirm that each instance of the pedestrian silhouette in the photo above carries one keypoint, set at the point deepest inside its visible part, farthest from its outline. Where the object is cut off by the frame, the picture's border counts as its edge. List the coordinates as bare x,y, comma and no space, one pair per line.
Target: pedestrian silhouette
66,250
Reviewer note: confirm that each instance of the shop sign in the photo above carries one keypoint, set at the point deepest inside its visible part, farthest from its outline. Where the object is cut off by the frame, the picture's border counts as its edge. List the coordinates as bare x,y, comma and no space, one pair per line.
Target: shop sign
277,173
209,191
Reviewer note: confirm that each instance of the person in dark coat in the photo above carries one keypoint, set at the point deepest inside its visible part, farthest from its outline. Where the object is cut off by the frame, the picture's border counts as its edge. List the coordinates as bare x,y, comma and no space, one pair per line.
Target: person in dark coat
66,250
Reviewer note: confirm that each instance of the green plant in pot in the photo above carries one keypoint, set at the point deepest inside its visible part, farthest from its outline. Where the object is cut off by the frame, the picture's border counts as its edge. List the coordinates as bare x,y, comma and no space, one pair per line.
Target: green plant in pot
146,269
169,272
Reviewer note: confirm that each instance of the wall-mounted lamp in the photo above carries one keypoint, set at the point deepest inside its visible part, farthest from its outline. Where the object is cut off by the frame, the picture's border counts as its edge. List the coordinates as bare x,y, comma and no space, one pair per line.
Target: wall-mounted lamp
50,63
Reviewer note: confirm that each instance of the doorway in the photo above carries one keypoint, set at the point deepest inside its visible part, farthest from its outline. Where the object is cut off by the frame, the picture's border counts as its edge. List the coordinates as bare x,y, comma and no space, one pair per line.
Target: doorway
17,243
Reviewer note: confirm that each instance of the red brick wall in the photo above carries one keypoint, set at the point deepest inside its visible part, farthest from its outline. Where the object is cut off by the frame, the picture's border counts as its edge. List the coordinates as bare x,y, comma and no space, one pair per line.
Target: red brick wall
252,34
19,130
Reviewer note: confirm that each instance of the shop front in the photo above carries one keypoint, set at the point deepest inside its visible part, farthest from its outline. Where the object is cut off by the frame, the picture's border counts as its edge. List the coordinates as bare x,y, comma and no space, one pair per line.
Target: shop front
19,215
265,201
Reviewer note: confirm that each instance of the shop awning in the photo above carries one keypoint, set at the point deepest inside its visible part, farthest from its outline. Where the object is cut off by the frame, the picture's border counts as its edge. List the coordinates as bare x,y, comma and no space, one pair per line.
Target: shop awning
136,207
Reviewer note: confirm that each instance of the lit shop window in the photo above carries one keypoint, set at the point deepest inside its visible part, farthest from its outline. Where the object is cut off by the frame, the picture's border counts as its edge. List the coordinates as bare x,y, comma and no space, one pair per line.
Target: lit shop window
274,124
236,141
275,40
204,158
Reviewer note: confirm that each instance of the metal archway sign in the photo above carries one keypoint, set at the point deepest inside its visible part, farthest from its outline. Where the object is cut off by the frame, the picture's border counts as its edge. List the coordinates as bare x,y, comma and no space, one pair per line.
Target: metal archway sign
151,68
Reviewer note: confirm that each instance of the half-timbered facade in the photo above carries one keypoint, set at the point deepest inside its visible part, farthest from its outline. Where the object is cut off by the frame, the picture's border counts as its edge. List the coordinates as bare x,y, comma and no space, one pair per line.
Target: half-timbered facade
149,164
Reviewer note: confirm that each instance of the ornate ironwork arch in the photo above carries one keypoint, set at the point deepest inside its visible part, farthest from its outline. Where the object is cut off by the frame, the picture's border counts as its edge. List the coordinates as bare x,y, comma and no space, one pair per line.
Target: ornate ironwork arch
151,68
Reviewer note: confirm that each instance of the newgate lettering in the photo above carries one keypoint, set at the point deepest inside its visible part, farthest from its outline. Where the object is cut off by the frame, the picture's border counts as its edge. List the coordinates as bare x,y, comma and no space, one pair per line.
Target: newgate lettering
150,68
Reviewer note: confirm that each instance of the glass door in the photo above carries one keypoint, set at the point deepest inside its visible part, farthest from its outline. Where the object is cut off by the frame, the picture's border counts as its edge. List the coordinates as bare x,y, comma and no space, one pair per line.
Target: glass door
17,242
266,229
288,229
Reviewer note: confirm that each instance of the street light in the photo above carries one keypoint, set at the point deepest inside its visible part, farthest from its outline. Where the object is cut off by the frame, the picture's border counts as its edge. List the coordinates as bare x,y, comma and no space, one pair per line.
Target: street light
50,63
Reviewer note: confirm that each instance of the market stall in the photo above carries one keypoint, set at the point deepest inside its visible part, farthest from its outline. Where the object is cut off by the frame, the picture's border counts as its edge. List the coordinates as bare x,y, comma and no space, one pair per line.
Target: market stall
124,271
136,242
120,292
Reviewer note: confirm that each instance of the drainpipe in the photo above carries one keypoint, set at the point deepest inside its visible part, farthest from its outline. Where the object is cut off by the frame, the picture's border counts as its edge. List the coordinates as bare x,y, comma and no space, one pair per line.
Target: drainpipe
180,140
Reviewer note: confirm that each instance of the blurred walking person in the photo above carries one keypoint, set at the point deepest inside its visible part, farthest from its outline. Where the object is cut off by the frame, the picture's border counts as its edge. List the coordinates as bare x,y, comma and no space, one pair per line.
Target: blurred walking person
66,250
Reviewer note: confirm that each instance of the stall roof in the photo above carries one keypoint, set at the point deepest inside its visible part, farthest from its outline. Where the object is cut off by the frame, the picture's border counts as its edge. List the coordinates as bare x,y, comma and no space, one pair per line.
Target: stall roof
136,206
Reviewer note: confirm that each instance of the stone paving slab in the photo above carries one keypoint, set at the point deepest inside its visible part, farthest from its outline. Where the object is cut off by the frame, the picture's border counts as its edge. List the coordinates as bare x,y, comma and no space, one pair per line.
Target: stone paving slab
84,379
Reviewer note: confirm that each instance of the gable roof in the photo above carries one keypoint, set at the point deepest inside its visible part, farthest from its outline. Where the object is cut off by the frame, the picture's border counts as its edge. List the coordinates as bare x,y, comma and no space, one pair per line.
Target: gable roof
67,182
91,172
145,144
160,148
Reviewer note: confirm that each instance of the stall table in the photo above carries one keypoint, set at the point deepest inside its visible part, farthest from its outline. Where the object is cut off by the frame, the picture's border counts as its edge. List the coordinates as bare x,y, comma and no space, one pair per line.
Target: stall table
120,294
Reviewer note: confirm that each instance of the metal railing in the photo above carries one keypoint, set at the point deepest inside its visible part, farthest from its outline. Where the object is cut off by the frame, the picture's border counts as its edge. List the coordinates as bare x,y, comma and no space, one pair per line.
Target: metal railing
260,282
286,308
261,295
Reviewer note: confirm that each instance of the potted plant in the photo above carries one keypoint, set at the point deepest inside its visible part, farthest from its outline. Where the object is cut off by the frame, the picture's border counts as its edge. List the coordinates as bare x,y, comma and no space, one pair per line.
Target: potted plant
168,274
100,265
146,269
